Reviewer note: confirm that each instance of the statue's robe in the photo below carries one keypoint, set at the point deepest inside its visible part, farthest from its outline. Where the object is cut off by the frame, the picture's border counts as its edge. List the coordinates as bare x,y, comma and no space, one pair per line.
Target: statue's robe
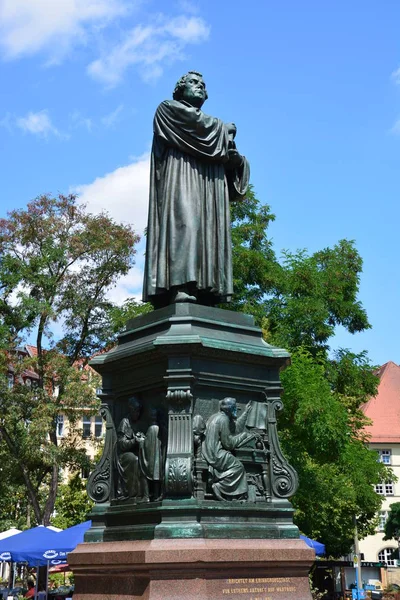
188,233
138,459
228,472
150,457
127,460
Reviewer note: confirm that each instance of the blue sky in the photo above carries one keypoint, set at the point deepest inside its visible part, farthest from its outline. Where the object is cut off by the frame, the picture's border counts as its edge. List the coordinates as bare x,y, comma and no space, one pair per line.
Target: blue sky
313,87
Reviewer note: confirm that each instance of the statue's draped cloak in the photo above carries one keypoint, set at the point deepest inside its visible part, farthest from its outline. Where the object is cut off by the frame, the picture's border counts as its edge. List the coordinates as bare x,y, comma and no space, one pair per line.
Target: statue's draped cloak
228,472
127,461
150,458
188,233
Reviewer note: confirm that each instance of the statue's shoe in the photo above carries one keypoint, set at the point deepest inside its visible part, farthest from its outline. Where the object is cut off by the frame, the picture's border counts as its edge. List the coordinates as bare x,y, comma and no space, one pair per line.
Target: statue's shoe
184,297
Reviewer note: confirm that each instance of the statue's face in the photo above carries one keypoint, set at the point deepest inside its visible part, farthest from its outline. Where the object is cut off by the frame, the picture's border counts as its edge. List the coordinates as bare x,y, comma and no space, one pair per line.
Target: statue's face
231,409
194,92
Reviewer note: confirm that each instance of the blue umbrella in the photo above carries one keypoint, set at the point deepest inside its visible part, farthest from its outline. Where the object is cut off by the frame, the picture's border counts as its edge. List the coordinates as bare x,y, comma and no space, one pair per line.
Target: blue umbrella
54,550
11,547
317,546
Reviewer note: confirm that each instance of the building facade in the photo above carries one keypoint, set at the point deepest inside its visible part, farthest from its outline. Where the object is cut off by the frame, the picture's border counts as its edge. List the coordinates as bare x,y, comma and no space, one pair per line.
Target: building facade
384,432
90,430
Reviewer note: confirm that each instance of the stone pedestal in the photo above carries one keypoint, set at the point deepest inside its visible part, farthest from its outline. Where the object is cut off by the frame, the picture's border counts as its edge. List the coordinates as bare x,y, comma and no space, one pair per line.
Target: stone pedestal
195,569
187,542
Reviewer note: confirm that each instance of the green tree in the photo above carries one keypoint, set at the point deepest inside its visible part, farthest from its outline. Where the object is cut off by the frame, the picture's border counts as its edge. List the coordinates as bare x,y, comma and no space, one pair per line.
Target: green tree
392,525
299,300
72,503
57,264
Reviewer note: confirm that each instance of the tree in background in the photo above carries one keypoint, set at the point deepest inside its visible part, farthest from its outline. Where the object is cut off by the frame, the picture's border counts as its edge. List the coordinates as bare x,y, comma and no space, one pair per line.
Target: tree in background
392,525
72,503
298,302
57,265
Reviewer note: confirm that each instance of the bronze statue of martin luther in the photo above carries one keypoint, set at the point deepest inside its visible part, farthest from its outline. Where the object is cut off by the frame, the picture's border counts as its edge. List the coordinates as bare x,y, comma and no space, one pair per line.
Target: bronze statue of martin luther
196,171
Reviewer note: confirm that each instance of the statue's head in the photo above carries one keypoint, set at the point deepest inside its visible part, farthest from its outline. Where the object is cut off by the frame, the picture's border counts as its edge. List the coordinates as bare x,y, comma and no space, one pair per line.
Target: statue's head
192,89
135,408
199,425
229,407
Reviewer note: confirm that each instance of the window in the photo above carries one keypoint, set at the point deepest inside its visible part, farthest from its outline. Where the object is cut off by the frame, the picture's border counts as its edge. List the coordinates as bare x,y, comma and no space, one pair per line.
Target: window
85,472
383,516
98,426
86,427
384,489
60,425
385,556
10,381
385,456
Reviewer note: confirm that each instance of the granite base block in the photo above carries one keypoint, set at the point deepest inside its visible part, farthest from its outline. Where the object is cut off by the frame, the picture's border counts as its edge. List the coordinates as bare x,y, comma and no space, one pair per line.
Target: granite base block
200,569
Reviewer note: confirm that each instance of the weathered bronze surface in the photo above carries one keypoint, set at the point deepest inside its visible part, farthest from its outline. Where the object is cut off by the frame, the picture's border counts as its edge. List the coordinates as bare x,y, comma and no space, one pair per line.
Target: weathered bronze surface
196,171
224,434
191,368
138,460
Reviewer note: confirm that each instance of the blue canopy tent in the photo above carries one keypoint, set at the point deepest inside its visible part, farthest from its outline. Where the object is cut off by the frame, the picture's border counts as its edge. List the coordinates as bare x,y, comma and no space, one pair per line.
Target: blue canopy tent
52,551
12,546
317,546
42,547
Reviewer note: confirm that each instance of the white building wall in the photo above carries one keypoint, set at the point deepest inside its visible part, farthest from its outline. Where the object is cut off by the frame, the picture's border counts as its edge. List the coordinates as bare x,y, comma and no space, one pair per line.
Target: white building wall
372,545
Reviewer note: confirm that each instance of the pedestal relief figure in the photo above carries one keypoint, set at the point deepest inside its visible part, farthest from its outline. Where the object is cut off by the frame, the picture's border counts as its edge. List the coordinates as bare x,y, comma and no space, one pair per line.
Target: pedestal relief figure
199,430
223,436
151,459
139,457
196,171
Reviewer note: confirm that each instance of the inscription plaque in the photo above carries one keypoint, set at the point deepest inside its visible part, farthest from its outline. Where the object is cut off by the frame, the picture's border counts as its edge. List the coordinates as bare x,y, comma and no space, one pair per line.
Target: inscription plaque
255,588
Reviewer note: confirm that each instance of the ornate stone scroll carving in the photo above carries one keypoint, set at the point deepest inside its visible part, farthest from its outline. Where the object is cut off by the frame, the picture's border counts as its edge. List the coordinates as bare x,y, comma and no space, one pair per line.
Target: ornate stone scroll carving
179,462
284,480
100,485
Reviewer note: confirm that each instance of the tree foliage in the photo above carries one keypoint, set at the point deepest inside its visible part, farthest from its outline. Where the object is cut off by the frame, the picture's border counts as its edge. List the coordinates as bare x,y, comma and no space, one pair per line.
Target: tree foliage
299,300
57,264
392,525
72,504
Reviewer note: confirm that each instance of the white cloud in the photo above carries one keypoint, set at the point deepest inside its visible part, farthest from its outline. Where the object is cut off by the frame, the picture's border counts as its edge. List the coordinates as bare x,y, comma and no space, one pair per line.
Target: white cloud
55,27
29,26
149,47
396,76
124,194
78,120
111,119
38,123
130,285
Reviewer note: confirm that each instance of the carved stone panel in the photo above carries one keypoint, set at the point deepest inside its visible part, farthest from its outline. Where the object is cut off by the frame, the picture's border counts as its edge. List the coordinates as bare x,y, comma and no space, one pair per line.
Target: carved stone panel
178,468
101,481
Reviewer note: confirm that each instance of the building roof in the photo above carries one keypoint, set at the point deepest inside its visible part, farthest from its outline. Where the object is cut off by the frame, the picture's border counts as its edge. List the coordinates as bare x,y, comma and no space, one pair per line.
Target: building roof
384,408
32,350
